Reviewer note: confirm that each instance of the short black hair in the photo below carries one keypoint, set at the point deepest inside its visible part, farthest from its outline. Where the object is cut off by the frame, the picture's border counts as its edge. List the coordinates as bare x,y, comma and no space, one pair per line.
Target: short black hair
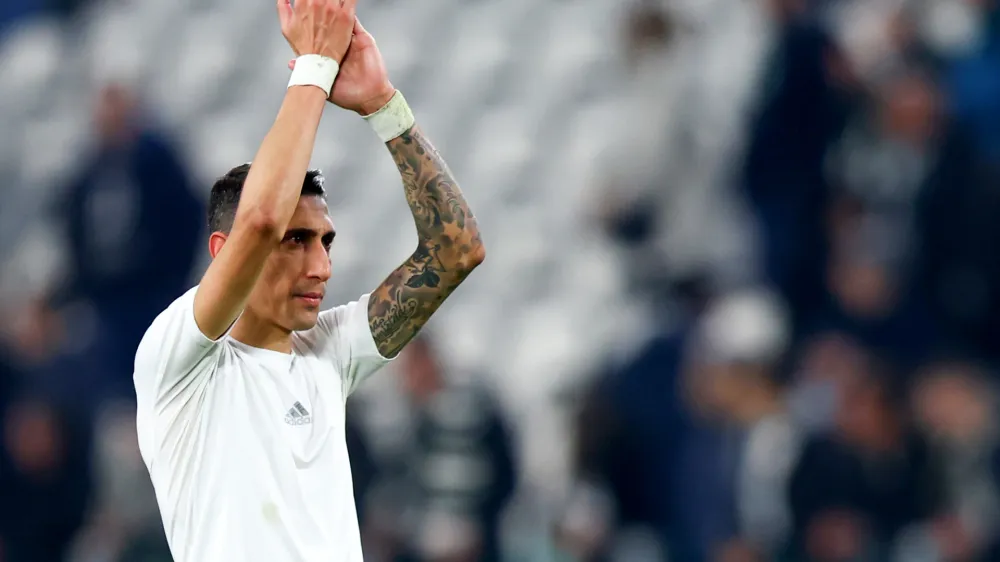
226,192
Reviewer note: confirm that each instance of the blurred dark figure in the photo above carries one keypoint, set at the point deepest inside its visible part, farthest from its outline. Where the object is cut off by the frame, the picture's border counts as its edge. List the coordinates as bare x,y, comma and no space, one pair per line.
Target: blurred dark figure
925,217
627,433
870,296
45,482
453,480
133,225
856,489
804,107
958,265
364,470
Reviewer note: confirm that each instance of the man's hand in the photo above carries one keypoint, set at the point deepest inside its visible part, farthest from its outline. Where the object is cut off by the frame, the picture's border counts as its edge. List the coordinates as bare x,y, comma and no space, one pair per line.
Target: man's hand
363,83
318,27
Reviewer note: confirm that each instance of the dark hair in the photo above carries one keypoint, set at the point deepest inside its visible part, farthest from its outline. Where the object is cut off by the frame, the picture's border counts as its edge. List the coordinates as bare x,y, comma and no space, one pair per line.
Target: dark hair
226,192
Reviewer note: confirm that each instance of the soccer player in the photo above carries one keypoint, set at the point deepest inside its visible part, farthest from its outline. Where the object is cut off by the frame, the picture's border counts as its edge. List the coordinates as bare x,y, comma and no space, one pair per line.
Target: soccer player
242,381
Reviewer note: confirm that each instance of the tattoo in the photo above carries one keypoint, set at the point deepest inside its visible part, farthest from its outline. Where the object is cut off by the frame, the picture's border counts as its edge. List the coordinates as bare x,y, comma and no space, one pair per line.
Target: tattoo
449,246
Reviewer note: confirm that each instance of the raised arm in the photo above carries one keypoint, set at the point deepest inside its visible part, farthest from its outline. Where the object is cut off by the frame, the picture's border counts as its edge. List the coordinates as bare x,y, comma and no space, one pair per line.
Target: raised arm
448,246
273,185
448,243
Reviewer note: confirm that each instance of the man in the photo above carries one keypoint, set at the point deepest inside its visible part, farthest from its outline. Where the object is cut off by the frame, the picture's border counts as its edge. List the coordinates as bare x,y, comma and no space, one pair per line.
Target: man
242,381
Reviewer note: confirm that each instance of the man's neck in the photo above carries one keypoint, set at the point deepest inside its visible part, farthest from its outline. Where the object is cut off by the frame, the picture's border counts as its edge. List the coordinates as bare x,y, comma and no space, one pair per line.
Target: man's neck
256,332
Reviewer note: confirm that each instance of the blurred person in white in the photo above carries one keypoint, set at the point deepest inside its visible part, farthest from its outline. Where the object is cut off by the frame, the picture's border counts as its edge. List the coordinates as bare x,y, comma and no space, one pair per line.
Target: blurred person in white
955,405
736,390
242,382
689,446
452,478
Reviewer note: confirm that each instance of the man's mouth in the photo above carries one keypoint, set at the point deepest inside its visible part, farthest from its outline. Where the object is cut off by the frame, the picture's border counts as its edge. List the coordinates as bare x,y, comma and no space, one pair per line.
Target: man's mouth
312,298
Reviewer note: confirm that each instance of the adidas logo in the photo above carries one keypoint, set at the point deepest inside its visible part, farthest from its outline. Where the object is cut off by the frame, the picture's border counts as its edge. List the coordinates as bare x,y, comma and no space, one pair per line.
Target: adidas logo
298,415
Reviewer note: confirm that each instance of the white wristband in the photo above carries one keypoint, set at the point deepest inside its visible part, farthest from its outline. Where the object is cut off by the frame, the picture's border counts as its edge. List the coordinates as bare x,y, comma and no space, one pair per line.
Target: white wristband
314,70
394,119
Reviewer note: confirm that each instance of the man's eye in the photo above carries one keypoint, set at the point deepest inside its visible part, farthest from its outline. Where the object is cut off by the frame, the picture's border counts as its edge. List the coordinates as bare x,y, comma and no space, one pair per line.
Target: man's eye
298,239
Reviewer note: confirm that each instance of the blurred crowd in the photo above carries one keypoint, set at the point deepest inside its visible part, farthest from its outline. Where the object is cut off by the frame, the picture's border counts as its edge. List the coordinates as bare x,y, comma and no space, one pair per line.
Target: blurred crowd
833,397
805,201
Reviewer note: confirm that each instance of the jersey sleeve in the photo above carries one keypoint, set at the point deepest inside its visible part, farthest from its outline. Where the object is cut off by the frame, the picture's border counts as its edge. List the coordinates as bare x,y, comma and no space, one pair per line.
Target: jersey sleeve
349,343
174,354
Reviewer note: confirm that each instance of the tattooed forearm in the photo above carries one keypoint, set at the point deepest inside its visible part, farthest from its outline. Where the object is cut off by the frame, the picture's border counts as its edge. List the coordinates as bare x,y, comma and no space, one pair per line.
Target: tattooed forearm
448,248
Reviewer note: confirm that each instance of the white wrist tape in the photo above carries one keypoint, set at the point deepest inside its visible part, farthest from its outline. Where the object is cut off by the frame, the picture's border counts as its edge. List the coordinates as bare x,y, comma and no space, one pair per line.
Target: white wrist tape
314,70
394,119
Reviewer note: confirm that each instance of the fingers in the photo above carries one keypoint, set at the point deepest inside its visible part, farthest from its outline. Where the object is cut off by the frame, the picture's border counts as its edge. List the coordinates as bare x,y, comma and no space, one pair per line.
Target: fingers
284,12
317,26
291,64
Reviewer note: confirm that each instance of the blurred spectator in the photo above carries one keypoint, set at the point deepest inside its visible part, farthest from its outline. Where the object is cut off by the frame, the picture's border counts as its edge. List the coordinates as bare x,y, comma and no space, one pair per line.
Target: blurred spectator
912,174
856,488
805,102
693,439
956,408
45,482
133,227
742,440
957,266
825,365
364,469
456,474
627,433
124,524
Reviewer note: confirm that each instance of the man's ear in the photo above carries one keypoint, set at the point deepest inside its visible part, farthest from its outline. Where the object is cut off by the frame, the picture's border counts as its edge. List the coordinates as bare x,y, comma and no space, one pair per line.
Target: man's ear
215,243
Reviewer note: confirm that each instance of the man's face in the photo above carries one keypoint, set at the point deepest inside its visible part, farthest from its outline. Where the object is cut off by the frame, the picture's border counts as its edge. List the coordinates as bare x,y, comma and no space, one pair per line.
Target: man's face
293,283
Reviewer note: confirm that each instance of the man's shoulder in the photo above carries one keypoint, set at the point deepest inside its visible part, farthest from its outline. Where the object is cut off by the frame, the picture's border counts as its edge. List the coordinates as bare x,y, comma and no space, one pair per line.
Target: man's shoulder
173,317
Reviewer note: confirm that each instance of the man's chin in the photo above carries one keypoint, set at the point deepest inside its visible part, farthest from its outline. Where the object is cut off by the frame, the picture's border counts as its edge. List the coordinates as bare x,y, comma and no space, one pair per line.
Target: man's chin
305,320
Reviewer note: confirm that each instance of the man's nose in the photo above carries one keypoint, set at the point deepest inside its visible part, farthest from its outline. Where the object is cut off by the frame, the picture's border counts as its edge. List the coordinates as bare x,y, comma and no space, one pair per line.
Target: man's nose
318,263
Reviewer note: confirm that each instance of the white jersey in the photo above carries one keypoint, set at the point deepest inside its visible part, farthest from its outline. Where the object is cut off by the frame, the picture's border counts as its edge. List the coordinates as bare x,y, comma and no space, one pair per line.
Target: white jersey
245,446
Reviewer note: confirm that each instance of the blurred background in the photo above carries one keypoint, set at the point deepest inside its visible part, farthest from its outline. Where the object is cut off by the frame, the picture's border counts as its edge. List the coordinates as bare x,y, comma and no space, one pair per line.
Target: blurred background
742,302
